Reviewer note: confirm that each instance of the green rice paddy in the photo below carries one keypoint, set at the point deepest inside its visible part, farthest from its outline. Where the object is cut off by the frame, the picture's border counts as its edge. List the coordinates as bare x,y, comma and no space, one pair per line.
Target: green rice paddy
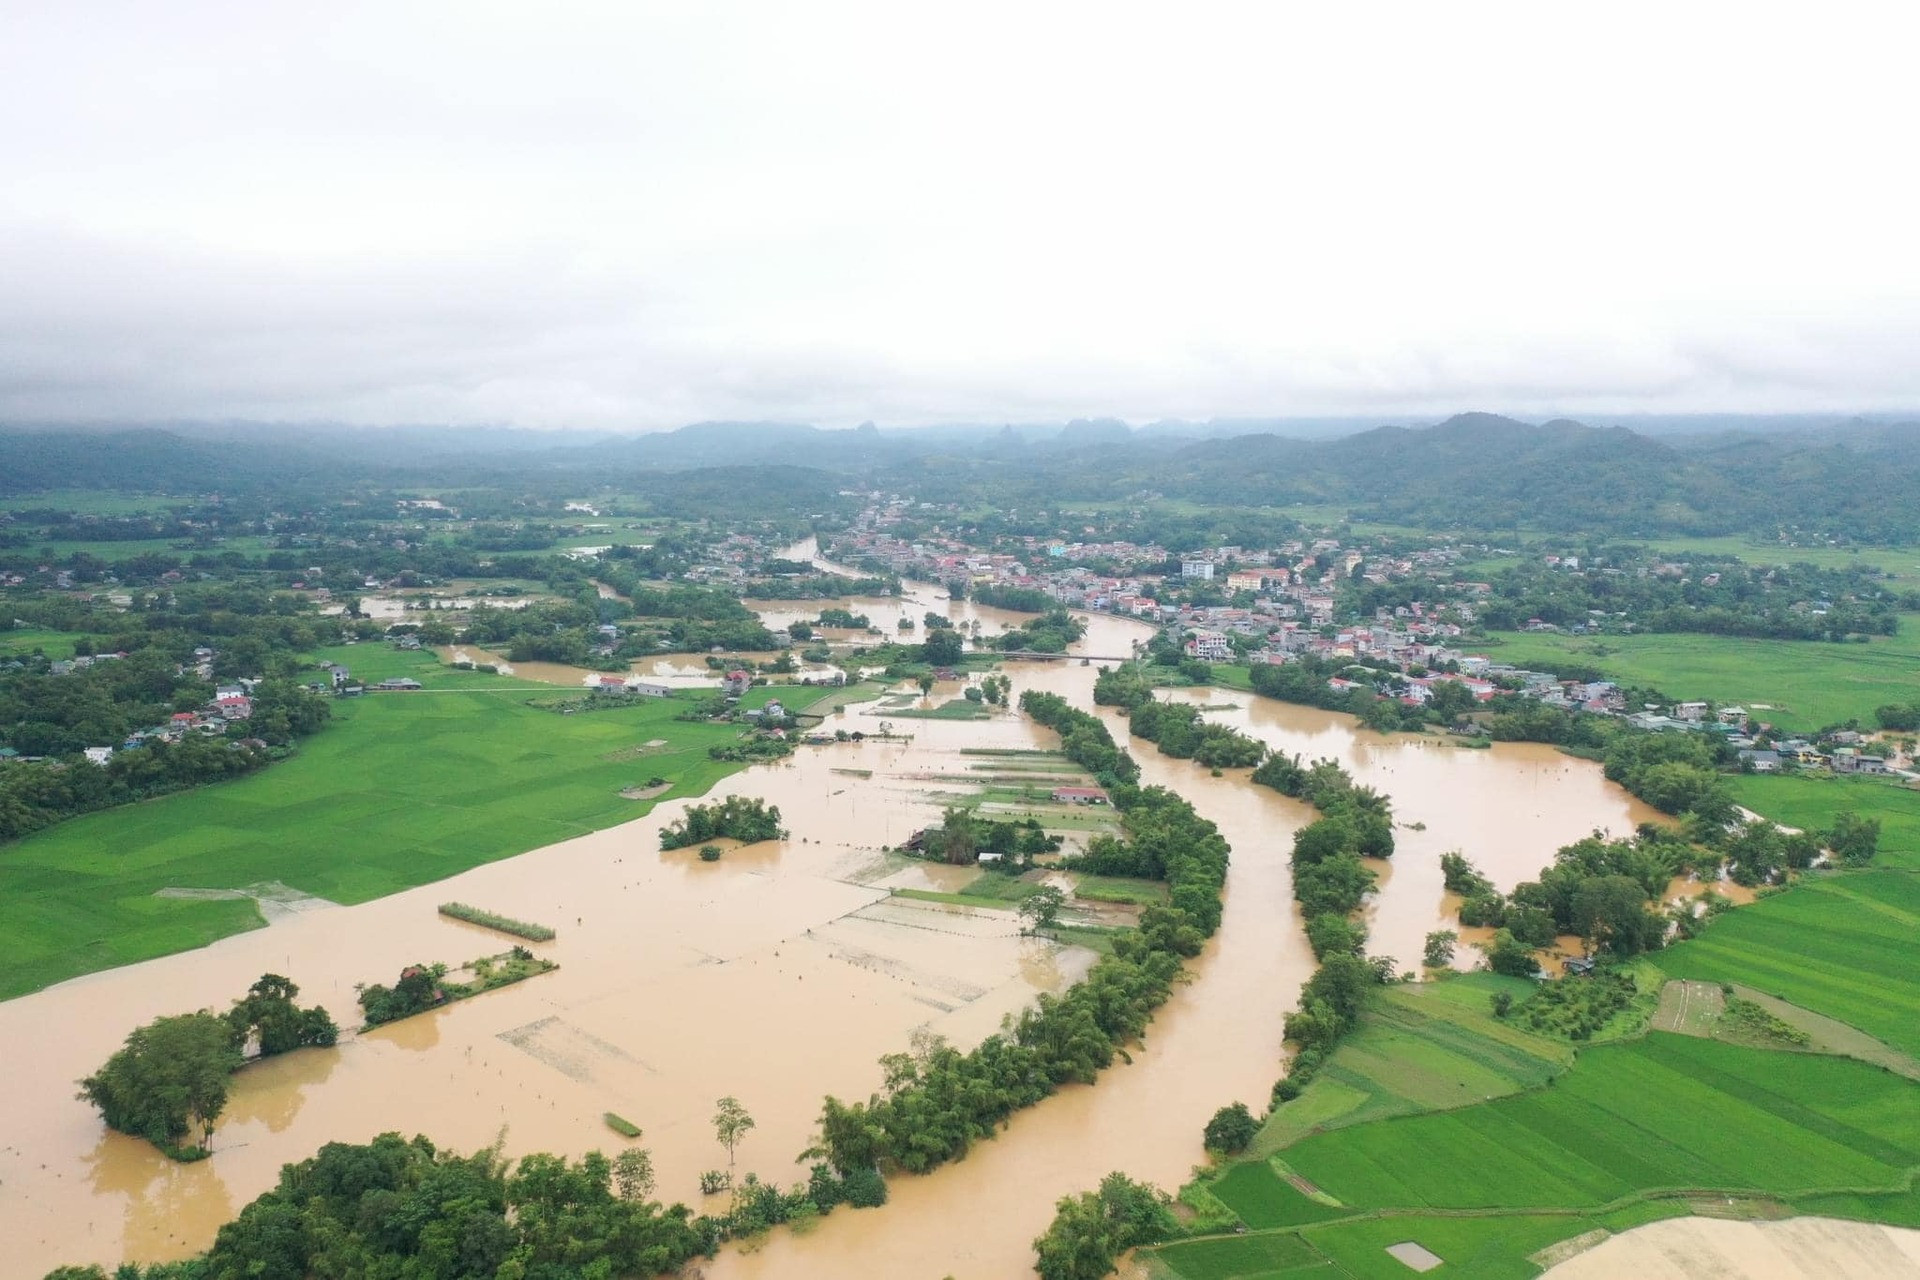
1809,801
1808,684
402,789
1421,1047
1840,945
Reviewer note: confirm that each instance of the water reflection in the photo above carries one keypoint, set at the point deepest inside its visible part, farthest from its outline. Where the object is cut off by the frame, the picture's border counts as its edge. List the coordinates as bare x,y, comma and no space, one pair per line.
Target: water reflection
270,1093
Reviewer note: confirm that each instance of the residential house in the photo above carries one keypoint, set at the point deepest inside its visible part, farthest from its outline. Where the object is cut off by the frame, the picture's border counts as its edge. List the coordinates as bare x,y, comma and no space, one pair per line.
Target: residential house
1211,646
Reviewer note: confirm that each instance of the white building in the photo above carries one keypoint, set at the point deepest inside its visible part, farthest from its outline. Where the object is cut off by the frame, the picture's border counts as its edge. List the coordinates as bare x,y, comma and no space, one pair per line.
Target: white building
1211,646
1201,569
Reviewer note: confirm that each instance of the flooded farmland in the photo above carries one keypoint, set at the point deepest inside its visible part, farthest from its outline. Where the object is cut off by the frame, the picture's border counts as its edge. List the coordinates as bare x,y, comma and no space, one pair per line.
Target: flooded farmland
778,974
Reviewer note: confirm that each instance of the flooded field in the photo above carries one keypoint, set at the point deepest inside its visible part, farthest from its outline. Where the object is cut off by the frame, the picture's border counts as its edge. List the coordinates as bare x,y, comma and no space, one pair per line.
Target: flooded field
778,974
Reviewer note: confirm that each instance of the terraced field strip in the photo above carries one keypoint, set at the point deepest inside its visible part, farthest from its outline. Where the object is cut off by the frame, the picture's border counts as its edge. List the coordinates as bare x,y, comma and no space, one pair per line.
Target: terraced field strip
1662,1113
1422,1047
1841,946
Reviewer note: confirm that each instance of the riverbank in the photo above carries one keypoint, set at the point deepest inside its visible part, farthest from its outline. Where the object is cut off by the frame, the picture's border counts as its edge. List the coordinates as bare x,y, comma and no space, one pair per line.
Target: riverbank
682,981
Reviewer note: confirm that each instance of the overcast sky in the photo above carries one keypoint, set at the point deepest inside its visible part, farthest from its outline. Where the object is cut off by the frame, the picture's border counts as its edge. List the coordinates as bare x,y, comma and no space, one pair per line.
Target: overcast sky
633,215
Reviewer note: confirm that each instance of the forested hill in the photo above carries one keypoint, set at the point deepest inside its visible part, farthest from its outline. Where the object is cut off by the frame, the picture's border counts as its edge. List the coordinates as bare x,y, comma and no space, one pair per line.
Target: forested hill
1476,471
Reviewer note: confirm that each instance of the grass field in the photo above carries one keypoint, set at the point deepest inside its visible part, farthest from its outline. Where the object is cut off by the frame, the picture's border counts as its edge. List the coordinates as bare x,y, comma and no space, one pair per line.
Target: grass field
55,644
129,548
1263,1198
1662,1113
1807,683
1421,1047
1902,562
1841,945
955,709
1809,802
90,502
1124,889
845,696
401,790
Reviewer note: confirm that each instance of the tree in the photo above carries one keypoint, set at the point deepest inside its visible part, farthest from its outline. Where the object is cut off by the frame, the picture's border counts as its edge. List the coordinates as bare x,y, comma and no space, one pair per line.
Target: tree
1231,1130
925,682
730,1124
1041,908
269,1013
1330,934
1854,839
170,1079
943,647
1610,912
1507,954
1439,950
633,1173
1090,1230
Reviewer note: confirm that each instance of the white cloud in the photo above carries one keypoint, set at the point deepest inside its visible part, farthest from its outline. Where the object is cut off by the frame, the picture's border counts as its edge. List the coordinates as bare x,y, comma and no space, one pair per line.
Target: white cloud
638,215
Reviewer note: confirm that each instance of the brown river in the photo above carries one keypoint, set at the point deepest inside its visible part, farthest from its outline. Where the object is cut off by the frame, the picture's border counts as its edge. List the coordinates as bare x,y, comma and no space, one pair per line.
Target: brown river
777,975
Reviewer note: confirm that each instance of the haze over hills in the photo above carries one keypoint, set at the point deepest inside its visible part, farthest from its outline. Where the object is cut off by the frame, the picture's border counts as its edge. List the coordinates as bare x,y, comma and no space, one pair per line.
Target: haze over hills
1851,479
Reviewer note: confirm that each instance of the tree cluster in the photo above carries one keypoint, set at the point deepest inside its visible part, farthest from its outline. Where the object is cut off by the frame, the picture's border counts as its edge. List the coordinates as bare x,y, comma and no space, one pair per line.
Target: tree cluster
1178,730
1089,1231
1083,738
739,818
168,1083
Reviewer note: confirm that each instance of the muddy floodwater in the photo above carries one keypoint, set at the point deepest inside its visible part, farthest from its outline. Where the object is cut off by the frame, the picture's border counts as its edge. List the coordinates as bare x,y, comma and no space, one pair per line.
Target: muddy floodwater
778,974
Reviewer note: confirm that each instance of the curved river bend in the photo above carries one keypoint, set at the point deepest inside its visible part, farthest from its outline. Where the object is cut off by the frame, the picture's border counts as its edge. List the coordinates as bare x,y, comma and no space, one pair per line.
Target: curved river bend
777,975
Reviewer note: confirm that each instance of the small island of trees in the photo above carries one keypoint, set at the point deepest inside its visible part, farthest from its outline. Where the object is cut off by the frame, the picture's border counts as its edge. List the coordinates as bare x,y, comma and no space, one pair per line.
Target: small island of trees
168,1083
735,818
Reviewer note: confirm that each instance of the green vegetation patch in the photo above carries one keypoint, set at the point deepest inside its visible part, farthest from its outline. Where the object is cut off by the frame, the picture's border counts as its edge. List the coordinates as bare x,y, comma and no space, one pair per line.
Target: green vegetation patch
1263,1197
402,789
1807,683
1122,889
1420,1047
1263,1257
1839,945
1664,1112
1494,1248
1809,802
57,645
958,709
505,924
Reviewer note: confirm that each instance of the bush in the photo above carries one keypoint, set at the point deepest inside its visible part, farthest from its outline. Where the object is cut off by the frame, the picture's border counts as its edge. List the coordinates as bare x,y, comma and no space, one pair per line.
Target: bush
709,853
864,1189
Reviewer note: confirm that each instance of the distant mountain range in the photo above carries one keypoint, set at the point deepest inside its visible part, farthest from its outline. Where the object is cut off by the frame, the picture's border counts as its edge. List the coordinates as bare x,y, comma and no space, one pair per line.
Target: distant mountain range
1857,478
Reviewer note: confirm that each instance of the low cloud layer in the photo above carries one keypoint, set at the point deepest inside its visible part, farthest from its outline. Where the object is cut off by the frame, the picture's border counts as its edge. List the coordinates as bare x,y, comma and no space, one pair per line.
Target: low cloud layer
638,216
